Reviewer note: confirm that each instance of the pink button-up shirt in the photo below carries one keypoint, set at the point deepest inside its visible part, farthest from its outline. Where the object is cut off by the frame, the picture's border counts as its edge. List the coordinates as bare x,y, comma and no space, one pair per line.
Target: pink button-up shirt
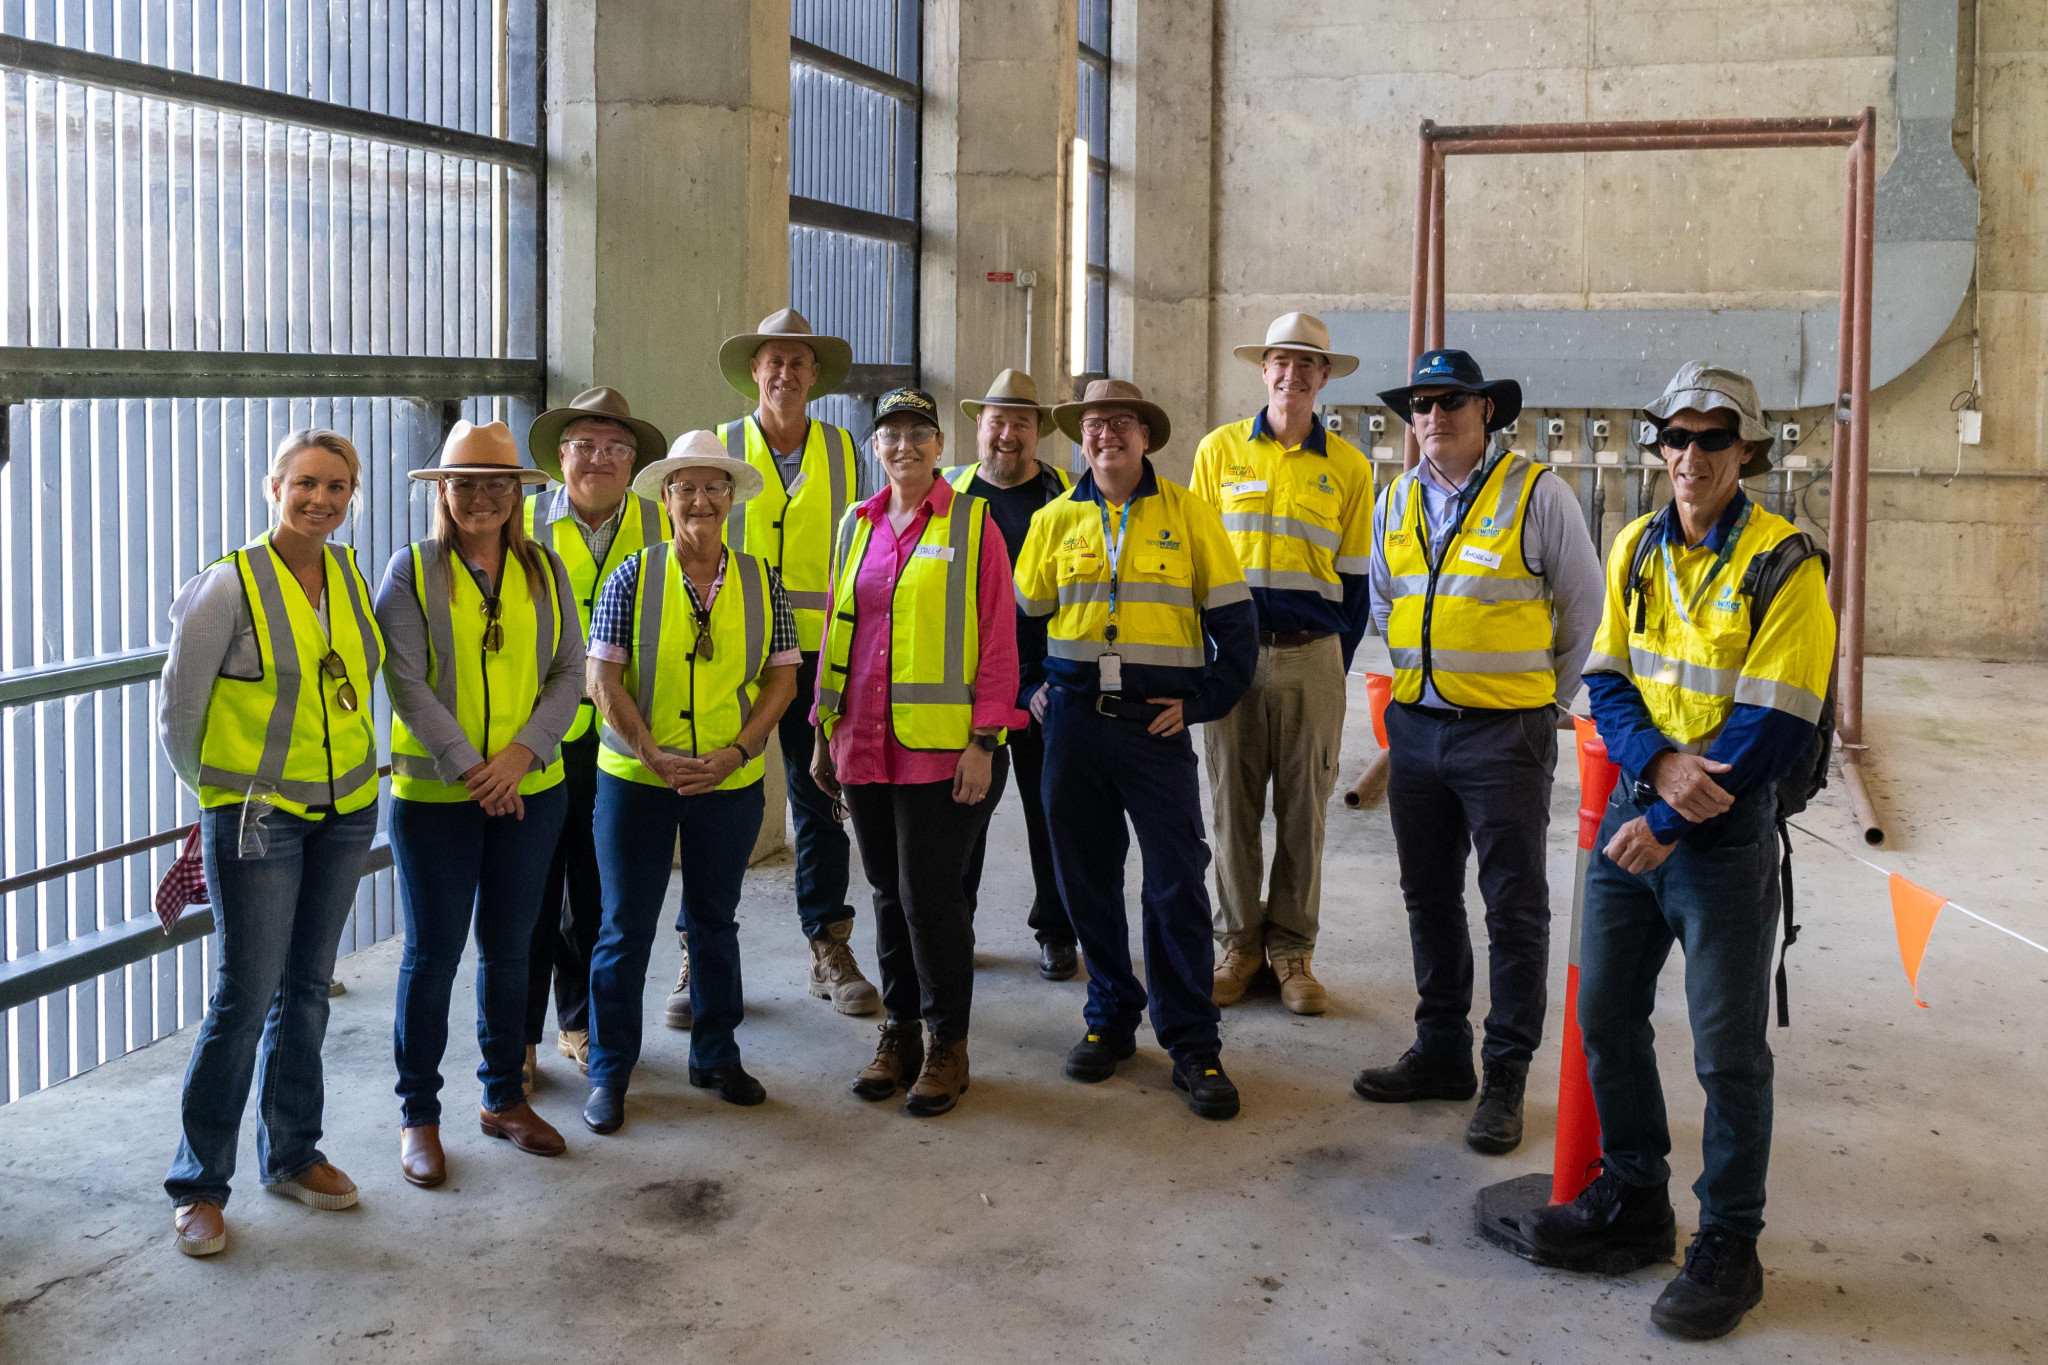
864,747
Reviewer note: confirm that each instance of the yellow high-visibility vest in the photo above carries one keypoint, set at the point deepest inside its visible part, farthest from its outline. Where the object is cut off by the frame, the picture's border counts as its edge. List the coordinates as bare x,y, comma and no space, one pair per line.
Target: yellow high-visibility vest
934,628
961,475
693,706
641,523
283,732
491,694
1476,622
792,530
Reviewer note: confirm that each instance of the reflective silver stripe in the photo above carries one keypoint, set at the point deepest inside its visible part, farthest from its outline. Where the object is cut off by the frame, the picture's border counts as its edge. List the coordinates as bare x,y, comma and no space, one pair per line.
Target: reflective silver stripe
1656,668
839,463
1165,594
1510,500
1778,696
961,571
735,520
1266,524
647,630
1036,606
414,765
1491,661
754,598
960,475
373,653
1165,656
831,698
807,601
1476,586
1353,564
653,521
1403,658
931,694
305,793
1227,594
1292,580
1397,499
547,632
431,582
284,661
1607,663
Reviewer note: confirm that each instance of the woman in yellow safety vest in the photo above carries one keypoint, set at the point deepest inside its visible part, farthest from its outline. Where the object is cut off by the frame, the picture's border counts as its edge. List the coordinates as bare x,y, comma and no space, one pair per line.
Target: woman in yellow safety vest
485,676
265,716
917,685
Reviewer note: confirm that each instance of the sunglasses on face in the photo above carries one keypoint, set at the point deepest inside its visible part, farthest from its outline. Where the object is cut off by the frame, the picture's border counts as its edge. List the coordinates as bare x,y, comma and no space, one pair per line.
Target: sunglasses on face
494,633
1449,402
1713,442
345,692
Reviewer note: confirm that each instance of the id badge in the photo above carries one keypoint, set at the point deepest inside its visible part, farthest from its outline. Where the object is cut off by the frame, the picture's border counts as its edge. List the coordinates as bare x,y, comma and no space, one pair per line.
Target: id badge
1111,667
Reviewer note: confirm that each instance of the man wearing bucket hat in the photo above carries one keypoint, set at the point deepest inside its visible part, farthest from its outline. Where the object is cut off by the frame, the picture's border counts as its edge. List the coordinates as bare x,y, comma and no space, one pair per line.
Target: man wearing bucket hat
693,656
1487,588
592,447
1296,502
1015,484
1709,682
1152,630
809,476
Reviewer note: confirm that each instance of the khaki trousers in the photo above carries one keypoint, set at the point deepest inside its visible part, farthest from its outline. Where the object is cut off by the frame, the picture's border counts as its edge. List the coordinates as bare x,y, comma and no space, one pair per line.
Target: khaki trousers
1285,734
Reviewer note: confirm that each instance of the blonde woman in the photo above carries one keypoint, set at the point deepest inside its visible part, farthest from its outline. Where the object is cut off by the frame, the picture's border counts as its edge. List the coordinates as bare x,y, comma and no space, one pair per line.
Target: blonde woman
266,717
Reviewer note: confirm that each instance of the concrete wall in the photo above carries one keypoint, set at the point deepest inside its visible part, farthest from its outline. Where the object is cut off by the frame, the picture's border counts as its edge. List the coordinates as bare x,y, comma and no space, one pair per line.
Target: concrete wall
1315,106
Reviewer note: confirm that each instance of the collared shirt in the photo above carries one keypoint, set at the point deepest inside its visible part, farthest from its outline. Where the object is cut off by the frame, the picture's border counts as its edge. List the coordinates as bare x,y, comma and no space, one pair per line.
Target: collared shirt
864,746
611,620
598,538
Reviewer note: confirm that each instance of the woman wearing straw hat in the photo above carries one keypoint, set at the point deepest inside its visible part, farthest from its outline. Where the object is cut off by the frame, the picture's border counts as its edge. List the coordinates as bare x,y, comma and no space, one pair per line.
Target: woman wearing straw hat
693,657
485,677
266,718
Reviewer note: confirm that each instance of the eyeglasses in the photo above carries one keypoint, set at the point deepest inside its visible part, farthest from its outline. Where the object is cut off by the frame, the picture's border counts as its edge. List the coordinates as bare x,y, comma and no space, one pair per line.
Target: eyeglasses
345,692
887,438
1122,425
1449,402
483,485
717,488
494,633
1678,438
612,452
704,649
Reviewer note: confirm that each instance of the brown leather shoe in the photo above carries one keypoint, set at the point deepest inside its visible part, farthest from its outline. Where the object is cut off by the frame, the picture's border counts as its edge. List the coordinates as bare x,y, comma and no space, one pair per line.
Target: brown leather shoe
1235,970
1300,992
419,1156
528,1131
323,1187
898,1057
201,1229
941,1082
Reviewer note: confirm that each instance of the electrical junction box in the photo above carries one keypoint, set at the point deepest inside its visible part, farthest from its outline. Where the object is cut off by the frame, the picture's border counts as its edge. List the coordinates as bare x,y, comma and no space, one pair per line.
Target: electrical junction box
1553,427
1334,423
1600,429
1970,426
1646,435
1376,423
1789,433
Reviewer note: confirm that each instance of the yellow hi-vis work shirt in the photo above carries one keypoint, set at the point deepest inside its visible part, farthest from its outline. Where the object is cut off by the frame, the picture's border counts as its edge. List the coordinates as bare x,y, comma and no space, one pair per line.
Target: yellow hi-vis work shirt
790,529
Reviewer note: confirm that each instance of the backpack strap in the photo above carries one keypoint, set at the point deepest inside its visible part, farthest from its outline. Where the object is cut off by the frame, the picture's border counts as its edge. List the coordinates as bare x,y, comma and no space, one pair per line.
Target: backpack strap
1632,600
1770,571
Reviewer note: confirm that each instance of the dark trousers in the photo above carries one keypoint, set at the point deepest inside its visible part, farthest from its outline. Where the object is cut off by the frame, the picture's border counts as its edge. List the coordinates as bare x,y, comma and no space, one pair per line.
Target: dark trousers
456,866
824,854
1098,772
914,843
1048,918
1719,903
637,827
571,904
1460,780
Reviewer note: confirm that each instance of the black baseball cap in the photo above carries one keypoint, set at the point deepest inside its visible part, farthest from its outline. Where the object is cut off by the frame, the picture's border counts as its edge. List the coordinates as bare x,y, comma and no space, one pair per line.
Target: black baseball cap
913,402
1456,370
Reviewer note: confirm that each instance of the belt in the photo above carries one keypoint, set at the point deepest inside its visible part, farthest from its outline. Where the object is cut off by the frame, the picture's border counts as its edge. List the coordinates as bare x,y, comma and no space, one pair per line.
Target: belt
1144,712
1292,639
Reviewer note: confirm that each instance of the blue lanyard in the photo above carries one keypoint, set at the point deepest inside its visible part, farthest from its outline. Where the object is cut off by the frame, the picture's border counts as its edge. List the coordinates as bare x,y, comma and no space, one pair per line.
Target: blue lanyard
1116,554
1687,608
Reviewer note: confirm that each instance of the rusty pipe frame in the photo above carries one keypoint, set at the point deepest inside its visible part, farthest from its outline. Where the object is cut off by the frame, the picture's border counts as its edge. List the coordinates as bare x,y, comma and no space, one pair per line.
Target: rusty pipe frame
1843,127
1856,515
1711,142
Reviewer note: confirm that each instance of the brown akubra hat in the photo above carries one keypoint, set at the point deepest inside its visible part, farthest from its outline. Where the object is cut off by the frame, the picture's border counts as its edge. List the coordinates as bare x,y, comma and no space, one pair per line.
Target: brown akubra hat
544,437
1012,389
1114,393
736,354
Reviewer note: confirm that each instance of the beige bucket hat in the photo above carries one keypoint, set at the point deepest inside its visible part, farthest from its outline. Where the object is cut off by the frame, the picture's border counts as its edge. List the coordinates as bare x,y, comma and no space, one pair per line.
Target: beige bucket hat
544,437
1114,393
472,449
699,450
1299,332
1705,388
736,354
1012,389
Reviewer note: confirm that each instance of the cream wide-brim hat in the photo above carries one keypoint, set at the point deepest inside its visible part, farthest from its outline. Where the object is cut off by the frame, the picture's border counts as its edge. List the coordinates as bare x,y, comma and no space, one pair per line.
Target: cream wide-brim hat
699,450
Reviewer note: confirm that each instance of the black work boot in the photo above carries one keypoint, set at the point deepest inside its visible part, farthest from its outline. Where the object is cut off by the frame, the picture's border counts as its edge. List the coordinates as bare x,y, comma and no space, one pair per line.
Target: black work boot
1416,1077
1094,1058
1722,1280
1496,1126
1211,1094
1611,1227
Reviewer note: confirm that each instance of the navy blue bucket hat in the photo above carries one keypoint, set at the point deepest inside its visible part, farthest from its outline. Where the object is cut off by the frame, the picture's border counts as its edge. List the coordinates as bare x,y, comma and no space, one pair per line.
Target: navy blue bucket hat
1457,370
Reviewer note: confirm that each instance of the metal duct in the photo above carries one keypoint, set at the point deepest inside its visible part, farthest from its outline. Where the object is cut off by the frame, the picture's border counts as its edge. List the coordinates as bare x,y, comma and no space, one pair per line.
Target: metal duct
1612,358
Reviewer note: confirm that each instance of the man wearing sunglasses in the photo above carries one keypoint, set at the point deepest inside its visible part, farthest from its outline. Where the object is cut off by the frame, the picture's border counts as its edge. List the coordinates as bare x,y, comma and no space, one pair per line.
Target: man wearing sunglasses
1487,588
1708,681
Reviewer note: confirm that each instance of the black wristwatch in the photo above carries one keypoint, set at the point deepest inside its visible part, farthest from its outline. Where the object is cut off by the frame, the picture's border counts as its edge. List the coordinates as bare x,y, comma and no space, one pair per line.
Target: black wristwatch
988,744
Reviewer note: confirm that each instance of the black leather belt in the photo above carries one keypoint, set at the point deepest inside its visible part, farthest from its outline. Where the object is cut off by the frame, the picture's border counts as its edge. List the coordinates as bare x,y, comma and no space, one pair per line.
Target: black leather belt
1292,639
1144,712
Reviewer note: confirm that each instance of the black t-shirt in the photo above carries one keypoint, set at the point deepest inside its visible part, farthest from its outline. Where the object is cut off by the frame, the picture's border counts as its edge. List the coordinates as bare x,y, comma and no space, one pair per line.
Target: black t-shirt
1012,509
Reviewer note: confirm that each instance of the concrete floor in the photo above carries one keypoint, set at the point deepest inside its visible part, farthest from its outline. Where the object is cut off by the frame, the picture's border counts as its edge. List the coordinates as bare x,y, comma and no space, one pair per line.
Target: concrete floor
1051,1221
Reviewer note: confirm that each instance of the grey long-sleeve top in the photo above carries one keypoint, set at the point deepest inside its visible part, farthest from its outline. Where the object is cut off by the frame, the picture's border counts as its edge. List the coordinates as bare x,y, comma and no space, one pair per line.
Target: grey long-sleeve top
213,636
412,696
1556,544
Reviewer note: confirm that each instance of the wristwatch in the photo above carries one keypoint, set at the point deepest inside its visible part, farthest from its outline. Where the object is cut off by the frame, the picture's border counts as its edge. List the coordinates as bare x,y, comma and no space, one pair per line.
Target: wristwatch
988,744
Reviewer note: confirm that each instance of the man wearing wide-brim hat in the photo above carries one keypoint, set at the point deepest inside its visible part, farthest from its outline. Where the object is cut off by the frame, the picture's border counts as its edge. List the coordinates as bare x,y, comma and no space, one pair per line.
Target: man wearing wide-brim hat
810,476
1487,588
1296,501
1016,483
591,446
1150,630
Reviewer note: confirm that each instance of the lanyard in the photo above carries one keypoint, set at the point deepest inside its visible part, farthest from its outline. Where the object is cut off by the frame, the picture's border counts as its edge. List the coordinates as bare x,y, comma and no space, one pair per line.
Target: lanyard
1116,555
1687,608
1467,498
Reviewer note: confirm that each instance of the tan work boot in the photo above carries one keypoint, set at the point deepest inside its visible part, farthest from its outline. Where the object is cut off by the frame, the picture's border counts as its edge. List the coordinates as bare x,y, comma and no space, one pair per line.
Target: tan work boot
942,1080
1234,971
201,1229
574,1043
677,1012
529,1070
835,976
1300,992
898,1058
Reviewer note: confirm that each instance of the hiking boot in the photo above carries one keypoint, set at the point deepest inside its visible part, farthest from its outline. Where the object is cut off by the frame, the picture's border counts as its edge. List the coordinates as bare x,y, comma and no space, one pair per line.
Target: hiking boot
1300,992
1611,1227
677,1013
898,1058
941,1081
1416,1077
200,1228
1094,1058
1496,1126
574,1043
1235,970
835,976
1211,1094
1722,1280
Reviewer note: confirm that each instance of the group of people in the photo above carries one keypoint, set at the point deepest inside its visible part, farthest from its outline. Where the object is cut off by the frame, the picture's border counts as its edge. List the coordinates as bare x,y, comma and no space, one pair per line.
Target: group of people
584,682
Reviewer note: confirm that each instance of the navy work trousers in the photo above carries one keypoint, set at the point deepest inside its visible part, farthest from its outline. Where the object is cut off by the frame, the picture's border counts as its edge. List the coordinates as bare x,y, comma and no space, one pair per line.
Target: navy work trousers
824,853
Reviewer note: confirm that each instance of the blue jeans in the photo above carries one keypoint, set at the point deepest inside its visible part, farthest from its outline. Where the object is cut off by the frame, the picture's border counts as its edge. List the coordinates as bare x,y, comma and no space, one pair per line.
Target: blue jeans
279,920
636,833
1719,903
823,852
455,865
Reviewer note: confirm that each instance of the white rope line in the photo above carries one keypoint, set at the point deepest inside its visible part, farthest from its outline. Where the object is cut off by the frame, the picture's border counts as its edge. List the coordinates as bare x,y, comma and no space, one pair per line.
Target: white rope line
1886,872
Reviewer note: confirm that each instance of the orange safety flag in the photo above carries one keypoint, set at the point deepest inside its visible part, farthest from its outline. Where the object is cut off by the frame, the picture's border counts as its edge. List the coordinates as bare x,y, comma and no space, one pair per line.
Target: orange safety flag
1913,910
1379,690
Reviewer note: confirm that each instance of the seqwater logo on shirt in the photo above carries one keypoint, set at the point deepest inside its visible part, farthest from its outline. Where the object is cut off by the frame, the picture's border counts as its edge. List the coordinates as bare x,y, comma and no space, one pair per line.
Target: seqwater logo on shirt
1164,540
1726,601
1487,528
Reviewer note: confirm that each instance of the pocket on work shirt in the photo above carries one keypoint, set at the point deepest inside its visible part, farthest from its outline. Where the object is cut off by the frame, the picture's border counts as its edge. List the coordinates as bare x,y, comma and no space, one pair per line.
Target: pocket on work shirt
1164,565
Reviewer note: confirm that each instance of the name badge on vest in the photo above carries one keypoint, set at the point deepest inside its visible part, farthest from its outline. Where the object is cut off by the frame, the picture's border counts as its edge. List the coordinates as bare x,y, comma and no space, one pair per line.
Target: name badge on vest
1111,669
1248,486
1478,556
796,484
944,552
